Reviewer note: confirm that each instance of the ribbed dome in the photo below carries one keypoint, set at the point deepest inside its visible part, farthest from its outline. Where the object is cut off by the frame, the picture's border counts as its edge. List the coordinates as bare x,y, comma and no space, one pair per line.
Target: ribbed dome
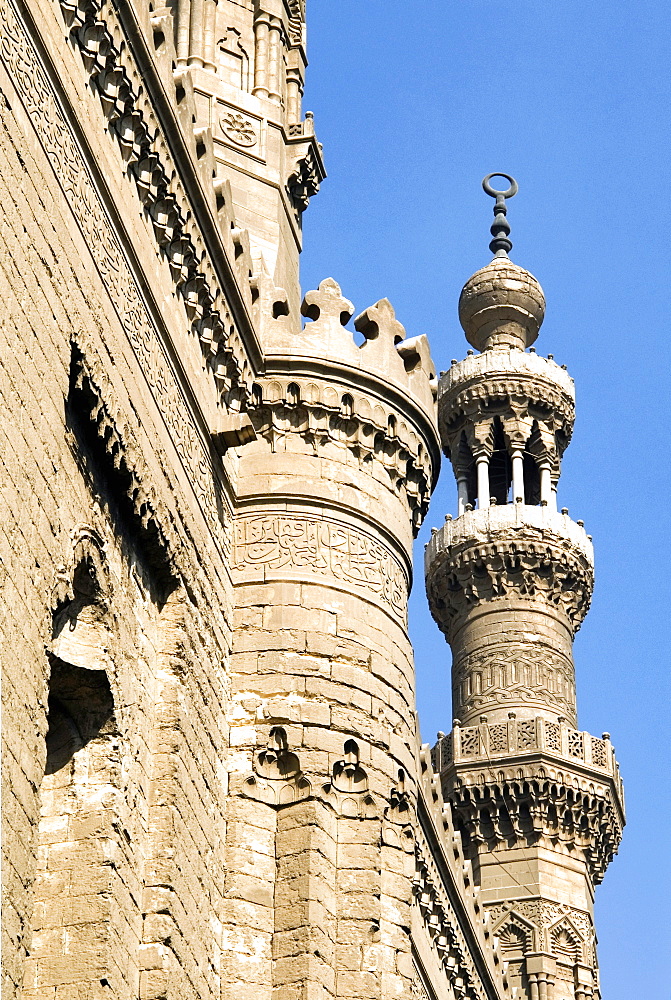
501,305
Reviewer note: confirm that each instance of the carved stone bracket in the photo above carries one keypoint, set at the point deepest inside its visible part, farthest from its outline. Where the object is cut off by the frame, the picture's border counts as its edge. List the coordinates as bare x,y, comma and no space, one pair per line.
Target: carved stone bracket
323,413
347,789
307,170
530,802
278,779
499,561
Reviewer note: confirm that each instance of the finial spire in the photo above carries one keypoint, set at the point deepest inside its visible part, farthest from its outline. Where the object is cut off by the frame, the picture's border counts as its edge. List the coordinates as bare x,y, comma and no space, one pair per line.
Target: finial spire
500,229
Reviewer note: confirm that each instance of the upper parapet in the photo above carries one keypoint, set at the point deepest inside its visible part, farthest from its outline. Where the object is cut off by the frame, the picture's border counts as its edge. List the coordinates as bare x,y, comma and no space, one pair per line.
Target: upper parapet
384,355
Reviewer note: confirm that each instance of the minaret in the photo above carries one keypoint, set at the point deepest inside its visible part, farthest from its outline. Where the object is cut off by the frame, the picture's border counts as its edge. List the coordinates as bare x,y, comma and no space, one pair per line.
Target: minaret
509,581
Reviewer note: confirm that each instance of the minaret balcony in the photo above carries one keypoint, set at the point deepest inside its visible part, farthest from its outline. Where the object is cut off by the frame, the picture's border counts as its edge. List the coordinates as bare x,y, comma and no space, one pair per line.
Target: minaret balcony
506,363
509,553
517,782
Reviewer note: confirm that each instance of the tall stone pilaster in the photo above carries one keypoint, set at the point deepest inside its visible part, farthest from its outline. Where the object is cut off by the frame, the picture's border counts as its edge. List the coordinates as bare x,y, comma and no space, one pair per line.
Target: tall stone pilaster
509,580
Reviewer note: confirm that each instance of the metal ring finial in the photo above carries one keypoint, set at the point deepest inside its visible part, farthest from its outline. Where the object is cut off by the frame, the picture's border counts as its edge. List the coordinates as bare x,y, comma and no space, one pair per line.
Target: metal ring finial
493,193
500,229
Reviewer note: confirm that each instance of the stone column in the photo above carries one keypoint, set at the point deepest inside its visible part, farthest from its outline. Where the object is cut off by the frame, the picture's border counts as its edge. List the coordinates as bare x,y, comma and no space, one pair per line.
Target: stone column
518,476
546,486
275,62
261,54
183,20
209,40
482,468
196,26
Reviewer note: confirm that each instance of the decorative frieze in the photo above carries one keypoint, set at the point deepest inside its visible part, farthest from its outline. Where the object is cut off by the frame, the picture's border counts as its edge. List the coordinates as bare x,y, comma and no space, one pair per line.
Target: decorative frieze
536,800
95,29
516,736
272,544
323,413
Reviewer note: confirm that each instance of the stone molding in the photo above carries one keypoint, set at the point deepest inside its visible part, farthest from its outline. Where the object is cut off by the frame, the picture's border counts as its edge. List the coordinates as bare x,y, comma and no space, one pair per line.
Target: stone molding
322,412
511,364
531,801
277,545
512,551
62,149
95,28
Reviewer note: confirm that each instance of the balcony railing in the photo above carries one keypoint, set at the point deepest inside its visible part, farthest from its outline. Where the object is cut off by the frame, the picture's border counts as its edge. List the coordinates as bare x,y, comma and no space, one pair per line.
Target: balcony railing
519,736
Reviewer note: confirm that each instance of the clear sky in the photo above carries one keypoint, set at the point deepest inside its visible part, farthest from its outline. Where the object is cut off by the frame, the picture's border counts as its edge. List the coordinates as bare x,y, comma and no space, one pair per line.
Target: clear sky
415,101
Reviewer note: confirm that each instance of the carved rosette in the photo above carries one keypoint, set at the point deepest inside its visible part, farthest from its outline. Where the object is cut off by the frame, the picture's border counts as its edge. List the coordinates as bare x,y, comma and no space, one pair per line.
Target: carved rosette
503,553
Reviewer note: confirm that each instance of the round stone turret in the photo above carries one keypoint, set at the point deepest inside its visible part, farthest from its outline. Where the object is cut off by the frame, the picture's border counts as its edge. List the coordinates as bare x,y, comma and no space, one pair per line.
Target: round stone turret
501,305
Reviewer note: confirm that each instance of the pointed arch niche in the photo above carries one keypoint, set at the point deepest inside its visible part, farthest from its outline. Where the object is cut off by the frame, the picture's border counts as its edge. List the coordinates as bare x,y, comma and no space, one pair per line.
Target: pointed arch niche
79,893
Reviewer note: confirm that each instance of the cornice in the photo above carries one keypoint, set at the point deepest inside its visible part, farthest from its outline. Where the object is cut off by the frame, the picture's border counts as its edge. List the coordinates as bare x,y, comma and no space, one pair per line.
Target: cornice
173,166
448,898
512,551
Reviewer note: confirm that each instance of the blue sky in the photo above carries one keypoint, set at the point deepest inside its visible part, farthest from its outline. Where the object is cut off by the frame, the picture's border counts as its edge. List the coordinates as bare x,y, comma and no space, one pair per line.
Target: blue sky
415,101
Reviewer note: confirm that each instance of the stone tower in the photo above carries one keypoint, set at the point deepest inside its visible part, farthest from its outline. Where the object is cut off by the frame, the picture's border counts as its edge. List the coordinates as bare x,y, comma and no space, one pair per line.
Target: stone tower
213,787
509,580
246,61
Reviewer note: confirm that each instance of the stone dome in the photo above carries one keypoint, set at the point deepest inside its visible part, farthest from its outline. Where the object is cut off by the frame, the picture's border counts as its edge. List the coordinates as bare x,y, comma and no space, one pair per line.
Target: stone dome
501,305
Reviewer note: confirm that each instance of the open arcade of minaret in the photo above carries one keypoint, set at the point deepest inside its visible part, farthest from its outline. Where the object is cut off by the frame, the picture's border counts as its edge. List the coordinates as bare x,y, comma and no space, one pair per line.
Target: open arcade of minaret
213,782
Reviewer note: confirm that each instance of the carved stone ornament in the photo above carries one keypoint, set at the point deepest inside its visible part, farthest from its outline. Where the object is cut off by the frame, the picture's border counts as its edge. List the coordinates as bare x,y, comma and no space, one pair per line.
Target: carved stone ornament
278,779
275,543
347,789
490,563
84,574
95,30
321,415
399,817
239,129
528,803
556,928
531,673
306,175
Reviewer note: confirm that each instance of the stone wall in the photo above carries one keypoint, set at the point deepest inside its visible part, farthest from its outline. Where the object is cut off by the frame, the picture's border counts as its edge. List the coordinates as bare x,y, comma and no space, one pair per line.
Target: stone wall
113,865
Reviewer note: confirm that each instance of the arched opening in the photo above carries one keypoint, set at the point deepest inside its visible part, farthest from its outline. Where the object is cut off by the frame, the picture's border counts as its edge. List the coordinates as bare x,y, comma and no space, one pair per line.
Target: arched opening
500,466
